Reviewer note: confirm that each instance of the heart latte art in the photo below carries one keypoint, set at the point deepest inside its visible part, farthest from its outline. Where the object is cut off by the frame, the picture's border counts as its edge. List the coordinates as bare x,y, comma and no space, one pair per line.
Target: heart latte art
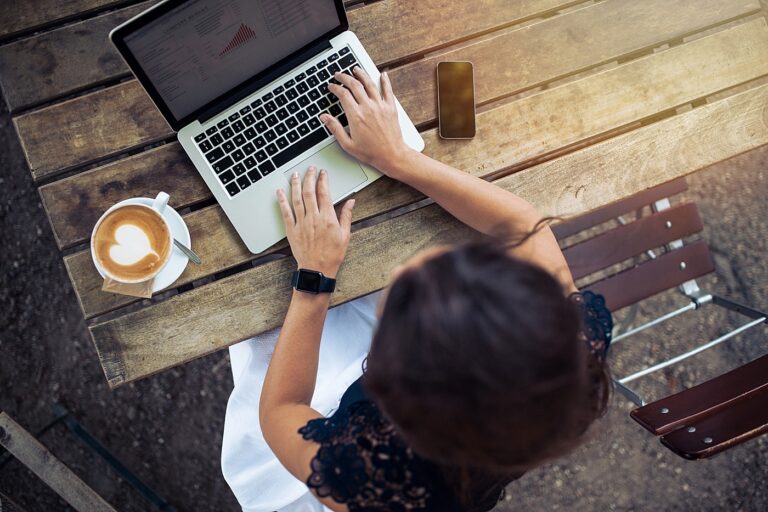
132,243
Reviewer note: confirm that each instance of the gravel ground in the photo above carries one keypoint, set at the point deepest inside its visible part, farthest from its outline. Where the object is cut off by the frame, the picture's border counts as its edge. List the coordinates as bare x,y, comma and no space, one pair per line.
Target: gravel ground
167,428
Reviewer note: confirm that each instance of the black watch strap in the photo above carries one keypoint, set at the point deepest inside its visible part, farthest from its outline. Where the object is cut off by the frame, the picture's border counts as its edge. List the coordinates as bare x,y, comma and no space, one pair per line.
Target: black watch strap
312,281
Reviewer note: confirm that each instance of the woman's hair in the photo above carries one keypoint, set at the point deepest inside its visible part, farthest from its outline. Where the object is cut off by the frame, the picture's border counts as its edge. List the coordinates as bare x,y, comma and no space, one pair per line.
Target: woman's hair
480,364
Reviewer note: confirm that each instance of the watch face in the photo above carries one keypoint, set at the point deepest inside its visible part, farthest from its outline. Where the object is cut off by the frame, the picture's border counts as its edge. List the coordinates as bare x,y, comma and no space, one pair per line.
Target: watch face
309,281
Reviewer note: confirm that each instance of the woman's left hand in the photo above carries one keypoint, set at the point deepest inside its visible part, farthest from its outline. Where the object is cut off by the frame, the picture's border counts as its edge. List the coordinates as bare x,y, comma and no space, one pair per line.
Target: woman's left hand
318,239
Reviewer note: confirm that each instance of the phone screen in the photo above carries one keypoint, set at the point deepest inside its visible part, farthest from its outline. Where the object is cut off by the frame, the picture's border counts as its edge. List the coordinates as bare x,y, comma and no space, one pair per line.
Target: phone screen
456,100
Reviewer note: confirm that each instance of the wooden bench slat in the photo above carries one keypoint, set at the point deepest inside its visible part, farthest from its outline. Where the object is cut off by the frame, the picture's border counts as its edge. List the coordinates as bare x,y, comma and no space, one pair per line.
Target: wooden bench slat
655,276
196,323
512,133
47,156
614,210
632,239
740,422
566,44
63,61
28,450
82,141
692,404
29,15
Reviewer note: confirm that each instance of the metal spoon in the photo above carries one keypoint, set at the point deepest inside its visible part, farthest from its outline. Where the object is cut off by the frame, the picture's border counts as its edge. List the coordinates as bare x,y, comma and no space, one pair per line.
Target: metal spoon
194,258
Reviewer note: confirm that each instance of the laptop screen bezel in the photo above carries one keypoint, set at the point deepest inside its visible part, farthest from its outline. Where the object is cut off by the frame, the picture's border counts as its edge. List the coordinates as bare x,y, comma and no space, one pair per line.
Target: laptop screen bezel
233,95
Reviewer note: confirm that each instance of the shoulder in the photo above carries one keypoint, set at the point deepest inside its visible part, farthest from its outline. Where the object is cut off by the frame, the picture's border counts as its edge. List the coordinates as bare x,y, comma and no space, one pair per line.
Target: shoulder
362,462
597,321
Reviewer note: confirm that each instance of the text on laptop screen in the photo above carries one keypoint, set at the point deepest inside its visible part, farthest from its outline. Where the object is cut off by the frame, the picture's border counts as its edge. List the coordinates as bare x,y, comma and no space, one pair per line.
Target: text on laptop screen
204,48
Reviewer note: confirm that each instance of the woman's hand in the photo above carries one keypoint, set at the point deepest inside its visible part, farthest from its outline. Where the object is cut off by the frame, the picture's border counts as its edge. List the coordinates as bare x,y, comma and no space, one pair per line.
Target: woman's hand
318,239
375,136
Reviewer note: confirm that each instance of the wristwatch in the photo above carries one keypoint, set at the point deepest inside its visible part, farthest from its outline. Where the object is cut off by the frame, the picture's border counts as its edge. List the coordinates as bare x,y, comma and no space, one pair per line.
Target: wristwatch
312,281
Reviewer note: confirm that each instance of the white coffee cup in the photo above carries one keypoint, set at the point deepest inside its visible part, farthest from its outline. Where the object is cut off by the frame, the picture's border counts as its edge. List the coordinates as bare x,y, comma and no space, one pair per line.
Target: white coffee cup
158,205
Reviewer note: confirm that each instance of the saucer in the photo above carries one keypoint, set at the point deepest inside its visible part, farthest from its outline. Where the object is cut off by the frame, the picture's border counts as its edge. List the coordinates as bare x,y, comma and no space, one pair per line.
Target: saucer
178,262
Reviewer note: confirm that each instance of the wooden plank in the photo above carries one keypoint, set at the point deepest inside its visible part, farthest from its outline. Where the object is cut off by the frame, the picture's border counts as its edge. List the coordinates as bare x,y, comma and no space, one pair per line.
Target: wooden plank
29,15
89,128
611,211
742,421
550,49
63,61
393,30
28,450
74,204
513,133
143,122
655,276
702,400
624,242
196,323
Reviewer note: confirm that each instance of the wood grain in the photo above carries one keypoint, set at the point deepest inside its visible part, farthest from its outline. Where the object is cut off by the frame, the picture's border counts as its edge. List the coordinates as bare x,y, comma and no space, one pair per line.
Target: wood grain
63,61
230,310
29,15
393,30
74,204
28,450
513,133
529,56
89,128
535,67
143,122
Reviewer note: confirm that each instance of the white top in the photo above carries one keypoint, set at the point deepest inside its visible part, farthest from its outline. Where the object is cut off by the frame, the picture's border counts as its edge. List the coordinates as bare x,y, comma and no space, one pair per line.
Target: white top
256,477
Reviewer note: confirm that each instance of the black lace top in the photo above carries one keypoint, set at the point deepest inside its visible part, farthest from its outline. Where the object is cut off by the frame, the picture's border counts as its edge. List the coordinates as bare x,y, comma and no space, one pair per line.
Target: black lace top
363,463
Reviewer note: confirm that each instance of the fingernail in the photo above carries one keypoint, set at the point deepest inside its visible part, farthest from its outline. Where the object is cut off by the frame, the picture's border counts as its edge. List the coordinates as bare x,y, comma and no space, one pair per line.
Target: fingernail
323,118
385,74
295,175
322,172
353,202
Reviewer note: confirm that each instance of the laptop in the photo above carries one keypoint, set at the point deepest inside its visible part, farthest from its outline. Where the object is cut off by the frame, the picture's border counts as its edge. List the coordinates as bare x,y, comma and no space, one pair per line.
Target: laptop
243,82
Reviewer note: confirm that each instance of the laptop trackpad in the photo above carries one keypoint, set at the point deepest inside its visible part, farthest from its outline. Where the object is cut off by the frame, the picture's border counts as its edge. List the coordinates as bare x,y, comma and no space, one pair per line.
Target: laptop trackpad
344,173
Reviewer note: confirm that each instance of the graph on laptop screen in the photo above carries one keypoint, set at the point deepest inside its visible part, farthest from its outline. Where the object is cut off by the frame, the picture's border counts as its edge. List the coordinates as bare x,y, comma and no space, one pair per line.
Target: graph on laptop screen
204,48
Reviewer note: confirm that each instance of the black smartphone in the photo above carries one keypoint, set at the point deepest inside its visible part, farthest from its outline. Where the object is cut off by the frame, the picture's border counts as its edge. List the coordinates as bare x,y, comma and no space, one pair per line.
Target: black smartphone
456,100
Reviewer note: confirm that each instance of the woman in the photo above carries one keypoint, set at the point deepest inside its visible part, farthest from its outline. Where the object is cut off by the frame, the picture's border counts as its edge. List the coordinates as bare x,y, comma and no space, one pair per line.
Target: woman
485,361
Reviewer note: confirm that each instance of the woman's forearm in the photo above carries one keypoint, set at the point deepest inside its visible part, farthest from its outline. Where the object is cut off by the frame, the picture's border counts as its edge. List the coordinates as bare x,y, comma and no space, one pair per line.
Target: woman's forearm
476,202
292,371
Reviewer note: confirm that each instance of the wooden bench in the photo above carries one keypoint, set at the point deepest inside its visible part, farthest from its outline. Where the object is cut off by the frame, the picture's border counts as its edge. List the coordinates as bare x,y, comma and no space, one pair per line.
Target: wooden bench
580,105
705,419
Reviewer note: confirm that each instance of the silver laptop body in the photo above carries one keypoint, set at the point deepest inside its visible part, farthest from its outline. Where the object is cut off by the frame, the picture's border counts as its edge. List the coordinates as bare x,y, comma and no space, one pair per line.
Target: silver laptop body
246,143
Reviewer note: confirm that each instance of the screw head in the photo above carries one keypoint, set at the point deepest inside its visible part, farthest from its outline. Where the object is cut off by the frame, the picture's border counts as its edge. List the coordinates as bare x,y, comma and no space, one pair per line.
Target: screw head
691,429
668,224
683,266
664,410
708,440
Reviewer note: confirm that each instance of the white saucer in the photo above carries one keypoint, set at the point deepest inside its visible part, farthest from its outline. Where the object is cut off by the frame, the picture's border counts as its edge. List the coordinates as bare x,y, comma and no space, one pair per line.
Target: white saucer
178,262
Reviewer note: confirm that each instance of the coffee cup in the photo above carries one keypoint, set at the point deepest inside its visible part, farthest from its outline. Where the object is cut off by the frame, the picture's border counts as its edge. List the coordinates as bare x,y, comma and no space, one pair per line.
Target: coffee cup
132,242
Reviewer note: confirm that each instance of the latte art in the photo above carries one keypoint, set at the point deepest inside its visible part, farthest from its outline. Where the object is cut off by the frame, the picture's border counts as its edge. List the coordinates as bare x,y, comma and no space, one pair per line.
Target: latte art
132,243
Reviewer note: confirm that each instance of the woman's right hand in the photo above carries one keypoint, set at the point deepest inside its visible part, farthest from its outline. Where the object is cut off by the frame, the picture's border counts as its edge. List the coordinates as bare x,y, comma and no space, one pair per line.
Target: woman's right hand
374,129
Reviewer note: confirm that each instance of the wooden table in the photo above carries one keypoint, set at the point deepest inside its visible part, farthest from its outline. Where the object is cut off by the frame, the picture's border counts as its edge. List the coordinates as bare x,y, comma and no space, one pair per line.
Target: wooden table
580,104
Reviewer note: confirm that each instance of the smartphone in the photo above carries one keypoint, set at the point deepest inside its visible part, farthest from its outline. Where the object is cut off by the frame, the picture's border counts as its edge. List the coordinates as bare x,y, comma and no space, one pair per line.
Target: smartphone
456,100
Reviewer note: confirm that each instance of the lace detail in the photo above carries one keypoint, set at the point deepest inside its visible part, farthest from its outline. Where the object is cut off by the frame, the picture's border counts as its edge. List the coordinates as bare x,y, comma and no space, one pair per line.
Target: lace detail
597,321
363,463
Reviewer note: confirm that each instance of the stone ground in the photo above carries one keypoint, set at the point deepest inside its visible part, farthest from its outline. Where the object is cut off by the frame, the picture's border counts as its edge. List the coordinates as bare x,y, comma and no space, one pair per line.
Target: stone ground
167,428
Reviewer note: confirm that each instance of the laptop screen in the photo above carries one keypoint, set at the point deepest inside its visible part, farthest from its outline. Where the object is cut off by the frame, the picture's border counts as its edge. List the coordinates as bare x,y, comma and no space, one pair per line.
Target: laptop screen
201,49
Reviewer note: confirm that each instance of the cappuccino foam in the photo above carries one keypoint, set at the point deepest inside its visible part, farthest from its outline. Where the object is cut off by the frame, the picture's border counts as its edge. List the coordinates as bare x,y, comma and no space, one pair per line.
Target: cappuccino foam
132,243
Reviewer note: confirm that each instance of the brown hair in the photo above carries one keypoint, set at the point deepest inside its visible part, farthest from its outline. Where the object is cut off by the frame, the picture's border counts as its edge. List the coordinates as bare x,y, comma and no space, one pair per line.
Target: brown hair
478,361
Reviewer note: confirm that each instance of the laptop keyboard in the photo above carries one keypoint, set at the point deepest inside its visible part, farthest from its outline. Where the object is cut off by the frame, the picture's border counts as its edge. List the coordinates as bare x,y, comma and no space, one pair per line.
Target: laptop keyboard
277,127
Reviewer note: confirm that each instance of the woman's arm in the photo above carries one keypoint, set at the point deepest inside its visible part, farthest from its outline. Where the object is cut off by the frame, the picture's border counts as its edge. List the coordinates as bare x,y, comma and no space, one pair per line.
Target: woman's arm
319,242
375,138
